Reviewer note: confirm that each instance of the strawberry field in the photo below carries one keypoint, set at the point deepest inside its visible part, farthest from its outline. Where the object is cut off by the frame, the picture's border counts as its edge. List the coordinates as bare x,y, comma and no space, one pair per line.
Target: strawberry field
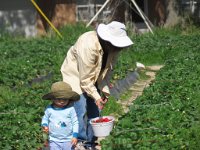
166,116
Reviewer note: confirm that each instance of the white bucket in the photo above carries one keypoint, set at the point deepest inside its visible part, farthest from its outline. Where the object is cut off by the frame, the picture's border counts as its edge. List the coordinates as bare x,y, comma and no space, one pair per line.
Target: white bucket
102,129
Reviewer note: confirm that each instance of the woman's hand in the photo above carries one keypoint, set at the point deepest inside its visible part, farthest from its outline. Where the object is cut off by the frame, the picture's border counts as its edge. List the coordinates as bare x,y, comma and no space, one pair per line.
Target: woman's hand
101,102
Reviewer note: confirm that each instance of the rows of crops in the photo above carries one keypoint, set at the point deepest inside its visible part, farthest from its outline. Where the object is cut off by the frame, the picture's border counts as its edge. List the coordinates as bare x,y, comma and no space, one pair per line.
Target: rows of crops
30,66
167,115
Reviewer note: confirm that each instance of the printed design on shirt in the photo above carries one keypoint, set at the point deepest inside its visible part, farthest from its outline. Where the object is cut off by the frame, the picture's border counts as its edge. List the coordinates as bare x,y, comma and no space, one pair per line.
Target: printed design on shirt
60,124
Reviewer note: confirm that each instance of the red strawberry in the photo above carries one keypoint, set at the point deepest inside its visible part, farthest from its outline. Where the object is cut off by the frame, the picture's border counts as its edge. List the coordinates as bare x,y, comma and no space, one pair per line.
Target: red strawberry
101,120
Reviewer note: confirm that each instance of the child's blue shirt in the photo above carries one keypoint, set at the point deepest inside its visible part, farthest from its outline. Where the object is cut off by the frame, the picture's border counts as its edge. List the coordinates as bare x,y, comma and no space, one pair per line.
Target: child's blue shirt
62,123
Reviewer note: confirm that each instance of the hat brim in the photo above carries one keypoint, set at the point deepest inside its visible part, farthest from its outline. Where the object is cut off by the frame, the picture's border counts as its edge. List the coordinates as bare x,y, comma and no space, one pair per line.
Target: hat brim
104,34
73,96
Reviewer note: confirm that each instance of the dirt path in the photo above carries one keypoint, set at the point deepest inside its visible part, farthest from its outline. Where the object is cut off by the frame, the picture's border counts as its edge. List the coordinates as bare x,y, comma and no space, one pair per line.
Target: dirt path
137,90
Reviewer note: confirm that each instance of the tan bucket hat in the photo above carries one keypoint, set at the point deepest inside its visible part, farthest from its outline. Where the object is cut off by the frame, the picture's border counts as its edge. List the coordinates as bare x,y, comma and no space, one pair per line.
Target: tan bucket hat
61,90
115,33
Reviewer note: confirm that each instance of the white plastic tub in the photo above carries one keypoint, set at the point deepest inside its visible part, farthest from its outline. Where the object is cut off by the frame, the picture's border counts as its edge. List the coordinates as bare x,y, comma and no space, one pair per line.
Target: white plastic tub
102,129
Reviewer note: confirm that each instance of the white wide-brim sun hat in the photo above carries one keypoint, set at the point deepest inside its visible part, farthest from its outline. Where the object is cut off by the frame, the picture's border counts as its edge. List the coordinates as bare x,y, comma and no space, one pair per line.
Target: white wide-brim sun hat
115,33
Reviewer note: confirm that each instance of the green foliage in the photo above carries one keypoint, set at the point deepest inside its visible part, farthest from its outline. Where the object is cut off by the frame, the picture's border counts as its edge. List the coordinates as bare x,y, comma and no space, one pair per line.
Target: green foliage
112,107
166,116
28,68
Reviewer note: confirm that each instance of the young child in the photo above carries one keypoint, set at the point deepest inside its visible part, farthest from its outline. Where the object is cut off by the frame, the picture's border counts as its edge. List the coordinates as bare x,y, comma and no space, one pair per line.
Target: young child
60,119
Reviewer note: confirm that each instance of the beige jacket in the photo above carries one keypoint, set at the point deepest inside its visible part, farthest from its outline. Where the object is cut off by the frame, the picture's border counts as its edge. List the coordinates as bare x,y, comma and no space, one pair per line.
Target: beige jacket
82,65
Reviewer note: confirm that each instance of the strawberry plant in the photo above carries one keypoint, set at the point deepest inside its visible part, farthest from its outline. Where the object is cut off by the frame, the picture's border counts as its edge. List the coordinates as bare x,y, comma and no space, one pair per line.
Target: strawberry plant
166,116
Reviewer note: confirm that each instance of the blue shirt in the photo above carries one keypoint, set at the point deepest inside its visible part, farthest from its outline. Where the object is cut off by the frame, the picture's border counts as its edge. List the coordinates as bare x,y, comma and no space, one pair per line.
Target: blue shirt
62,123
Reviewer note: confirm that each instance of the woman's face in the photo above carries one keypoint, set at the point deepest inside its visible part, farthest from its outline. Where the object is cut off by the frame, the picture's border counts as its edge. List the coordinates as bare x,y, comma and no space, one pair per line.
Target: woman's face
60,103
114,48
110,48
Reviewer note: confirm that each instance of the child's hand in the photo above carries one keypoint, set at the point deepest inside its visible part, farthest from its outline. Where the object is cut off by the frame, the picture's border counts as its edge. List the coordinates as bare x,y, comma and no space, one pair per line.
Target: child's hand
46,143
45,129
74,141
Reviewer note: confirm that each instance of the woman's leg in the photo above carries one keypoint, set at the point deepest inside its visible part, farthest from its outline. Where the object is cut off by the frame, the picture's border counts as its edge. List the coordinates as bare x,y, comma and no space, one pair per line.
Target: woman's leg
80,107
92,112
85,129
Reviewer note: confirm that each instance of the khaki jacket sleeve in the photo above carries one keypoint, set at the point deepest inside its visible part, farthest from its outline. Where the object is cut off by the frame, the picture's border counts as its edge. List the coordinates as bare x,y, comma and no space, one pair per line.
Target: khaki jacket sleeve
104,87
105,83
88,57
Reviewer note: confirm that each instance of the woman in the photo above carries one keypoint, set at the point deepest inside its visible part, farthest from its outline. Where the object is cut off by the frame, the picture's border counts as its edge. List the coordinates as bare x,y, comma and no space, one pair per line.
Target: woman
86,68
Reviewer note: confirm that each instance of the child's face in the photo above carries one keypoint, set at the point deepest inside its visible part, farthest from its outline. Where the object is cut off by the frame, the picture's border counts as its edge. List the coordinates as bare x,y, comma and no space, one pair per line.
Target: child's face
60,103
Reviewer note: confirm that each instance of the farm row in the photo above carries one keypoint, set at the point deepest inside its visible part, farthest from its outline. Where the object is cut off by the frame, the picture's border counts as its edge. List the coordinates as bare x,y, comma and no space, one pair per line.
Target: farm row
30,66
167,115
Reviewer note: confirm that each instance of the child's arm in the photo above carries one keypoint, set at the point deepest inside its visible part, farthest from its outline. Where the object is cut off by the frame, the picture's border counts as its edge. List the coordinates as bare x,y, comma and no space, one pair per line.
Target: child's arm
75,124
45,120
45,128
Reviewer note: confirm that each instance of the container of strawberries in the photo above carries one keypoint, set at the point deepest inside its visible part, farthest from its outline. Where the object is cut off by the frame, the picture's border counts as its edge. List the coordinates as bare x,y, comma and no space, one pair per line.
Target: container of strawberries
102,126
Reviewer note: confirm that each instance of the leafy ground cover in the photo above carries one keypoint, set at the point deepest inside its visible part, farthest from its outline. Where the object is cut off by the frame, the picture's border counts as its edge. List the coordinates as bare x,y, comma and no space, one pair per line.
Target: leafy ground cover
30,66
166,116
